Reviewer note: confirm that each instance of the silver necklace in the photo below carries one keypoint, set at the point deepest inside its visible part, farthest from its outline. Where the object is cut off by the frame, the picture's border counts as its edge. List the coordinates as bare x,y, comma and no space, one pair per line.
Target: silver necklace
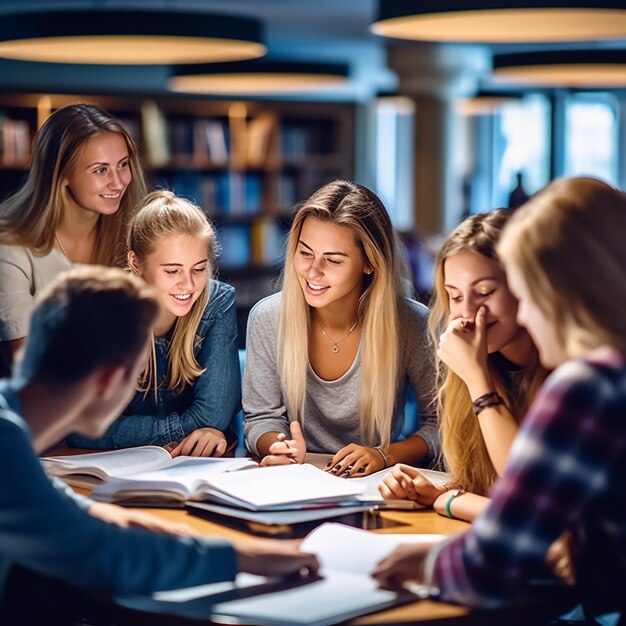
335,347
65,254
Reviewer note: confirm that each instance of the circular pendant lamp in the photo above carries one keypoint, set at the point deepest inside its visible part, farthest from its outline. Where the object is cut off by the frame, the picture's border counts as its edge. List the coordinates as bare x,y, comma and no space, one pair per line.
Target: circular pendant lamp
258,77
501,21
128,36
564,68
486,102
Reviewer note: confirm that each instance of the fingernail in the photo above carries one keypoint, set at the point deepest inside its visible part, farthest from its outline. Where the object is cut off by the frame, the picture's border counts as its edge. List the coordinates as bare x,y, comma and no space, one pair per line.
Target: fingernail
292,460
328,464
350,466
360,470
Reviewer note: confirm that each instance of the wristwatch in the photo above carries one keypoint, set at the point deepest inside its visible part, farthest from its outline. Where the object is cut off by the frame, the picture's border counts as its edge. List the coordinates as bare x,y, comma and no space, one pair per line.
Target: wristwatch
454,494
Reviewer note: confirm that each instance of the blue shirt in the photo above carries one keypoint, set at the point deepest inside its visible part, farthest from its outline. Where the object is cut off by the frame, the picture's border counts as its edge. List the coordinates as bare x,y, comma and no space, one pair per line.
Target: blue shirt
212,400
48,530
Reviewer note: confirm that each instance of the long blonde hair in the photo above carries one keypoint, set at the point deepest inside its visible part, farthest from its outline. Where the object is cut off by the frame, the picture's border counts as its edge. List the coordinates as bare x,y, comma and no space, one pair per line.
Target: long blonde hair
357,208
463,447
163,214
568,244
31,216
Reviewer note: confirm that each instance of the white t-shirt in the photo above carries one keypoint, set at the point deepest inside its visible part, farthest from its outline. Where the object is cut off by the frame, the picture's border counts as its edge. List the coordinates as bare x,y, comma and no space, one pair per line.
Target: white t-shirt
22,275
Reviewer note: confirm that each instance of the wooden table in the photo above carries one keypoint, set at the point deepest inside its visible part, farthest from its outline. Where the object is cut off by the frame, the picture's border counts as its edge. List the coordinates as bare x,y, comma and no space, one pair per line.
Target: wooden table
402,522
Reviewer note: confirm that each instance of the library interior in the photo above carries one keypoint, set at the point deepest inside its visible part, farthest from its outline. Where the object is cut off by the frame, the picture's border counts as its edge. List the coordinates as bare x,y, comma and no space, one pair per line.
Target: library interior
441,111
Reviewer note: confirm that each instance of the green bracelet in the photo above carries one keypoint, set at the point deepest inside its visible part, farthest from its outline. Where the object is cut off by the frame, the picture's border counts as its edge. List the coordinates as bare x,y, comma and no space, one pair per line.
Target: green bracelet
455,494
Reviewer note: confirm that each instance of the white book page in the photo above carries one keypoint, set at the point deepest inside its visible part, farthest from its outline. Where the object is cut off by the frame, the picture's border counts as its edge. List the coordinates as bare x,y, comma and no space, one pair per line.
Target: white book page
113,463
269,486
185,474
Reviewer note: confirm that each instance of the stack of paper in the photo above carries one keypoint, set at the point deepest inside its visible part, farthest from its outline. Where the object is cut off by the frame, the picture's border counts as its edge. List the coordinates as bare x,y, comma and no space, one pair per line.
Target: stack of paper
345,588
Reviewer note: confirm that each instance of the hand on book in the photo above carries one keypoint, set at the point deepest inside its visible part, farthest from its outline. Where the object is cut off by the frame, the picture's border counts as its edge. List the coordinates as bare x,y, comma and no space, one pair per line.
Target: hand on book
201,442
271,557
128,518
407,483
404,564
285,450
355,461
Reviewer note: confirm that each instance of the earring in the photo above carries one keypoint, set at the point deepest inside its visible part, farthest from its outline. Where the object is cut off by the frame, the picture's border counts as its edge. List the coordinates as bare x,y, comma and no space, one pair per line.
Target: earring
368,272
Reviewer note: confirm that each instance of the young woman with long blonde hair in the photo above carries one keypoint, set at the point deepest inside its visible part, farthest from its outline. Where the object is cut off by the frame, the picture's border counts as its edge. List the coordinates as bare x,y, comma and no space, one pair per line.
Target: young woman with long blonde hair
328,358
190,390
488,370
565,260
83,185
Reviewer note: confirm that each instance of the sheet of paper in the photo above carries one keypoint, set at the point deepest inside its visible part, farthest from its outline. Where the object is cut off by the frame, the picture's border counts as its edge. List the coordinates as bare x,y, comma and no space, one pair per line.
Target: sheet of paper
347,549
270,486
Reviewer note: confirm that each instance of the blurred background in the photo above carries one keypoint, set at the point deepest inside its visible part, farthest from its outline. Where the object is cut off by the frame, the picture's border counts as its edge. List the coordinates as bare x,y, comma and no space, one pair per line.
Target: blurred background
444,108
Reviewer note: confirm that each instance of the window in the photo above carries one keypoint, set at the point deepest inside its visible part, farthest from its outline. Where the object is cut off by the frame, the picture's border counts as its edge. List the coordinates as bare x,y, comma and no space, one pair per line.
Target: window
591,136
521,144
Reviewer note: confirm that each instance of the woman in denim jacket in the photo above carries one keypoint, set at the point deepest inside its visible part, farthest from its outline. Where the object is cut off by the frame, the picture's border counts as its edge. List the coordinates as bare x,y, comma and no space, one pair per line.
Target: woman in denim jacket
190,389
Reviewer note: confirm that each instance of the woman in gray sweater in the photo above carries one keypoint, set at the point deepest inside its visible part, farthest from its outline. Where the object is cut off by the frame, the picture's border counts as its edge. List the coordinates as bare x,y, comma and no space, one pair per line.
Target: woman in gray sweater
329,358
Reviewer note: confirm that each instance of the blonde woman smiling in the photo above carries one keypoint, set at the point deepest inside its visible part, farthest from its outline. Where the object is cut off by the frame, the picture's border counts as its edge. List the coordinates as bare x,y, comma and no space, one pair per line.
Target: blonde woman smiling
329,358
489,371
190,390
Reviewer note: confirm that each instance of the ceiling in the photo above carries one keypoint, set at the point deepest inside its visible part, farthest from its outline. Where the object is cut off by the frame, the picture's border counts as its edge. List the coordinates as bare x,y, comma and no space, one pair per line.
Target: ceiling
315,30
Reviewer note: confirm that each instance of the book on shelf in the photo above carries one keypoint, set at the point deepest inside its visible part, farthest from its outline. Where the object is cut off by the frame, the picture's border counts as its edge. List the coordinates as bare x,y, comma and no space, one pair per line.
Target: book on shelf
210,142
256,489
15,142
154,126
343,589
259,131
93,469
268,242
235,245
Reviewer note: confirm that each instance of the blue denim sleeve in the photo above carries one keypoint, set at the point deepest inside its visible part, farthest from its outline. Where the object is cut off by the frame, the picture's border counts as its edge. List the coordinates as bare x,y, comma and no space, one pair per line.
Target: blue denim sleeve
216,395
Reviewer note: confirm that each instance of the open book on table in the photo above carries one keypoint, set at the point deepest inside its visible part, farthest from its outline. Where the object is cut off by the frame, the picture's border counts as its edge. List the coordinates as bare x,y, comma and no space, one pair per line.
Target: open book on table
344,589
89,470
283,487
369,484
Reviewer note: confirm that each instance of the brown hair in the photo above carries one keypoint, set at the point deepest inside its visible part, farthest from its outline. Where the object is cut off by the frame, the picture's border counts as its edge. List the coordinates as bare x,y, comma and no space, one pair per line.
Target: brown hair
30,216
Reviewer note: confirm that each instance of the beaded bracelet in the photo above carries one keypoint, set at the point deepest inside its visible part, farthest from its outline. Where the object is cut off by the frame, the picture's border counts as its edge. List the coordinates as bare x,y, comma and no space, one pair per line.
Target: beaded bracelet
486,401
383,455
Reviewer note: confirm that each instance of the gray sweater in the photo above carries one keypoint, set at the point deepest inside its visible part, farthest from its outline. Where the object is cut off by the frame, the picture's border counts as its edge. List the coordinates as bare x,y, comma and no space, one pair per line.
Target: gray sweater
331,418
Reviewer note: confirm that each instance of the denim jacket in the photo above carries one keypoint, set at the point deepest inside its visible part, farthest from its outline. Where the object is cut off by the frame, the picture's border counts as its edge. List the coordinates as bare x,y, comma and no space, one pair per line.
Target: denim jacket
213,400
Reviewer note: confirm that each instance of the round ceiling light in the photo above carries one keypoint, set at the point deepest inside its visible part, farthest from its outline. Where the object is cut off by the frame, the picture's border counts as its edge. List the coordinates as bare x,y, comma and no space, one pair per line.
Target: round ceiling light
501,21
258,77
128,36
563,68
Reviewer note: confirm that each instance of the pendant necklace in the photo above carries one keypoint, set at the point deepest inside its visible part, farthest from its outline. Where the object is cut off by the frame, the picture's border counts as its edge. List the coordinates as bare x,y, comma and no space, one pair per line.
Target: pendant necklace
65,254
335,347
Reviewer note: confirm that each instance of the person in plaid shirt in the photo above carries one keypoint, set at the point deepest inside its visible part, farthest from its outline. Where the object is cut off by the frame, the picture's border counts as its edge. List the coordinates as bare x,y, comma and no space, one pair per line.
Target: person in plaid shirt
565,259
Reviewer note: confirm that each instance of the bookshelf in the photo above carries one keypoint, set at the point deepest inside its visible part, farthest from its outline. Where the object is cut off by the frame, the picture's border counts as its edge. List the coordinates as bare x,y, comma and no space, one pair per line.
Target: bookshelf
246,163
